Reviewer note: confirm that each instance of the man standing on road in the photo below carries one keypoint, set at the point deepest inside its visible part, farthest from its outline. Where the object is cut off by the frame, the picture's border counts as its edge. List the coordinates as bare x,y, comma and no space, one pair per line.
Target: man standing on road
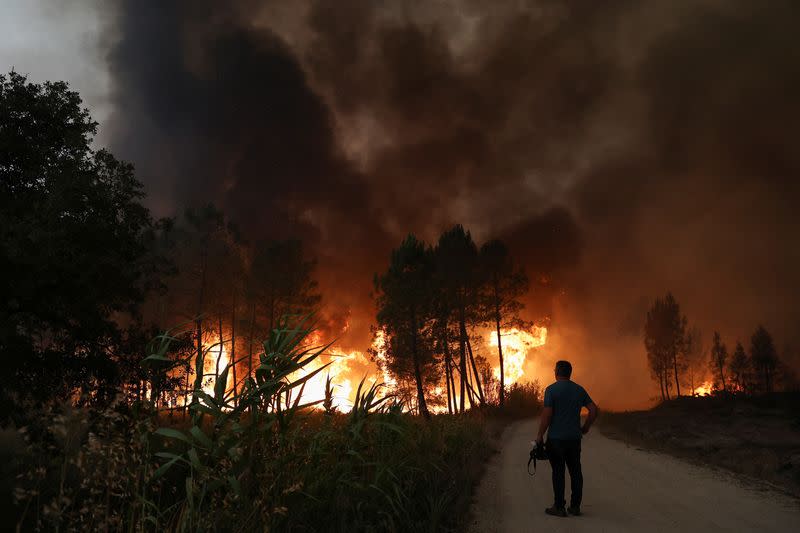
563,401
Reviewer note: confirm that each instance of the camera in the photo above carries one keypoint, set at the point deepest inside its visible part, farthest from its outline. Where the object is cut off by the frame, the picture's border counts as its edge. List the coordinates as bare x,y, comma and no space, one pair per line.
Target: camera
539,453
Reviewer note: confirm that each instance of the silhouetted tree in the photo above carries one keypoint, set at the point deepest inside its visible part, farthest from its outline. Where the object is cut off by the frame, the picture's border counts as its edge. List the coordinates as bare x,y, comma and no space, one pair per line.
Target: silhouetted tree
665,329
403,297
764,358
459,281
694,355
719,356
282,280
739,369
73,241
505,283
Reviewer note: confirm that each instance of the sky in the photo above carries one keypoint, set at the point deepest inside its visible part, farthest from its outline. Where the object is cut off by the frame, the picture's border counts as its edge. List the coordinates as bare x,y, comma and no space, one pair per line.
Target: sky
623,149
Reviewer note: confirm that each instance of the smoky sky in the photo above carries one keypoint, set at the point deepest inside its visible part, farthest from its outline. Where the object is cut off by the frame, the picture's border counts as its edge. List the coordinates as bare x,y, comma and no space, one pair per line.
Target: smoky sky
621,148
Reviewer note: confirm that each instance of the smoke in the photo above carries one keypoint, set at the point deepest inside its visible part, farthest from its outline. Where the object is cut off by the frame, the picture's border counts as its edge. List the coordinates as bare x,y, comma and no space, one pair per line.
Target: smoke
621,149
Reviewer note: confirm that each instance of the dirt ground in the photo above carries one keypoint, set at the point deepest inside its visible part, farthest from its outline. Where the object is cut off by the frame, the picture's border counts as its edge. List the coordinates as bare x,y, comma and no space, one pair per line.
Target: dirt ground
758,438
625,489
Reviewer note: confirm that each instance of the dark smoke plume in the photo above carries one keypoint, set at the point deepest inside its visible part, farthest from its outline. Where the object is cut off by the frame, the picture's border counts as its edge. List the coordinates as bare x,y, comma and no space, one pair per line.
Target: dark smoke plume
622,149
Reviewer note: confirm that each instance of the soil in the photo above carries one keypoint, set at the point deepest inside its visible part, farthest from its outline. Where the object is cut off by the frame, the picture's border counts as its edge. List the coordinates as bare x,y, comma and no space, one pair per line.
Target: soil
626,488
756,438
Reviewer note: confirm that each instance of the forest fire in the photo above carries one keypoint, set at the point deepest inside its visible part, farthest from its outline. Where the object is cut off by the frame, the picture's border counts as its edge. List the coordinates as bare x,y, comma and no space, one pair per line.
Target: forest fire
704,390
216,359
516,344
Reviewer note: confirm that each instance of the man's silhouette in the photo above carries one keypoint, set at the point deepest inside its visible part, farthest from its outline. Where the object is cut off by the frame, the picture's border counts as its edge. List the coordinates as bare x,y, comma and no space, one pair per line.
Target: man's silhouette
563,401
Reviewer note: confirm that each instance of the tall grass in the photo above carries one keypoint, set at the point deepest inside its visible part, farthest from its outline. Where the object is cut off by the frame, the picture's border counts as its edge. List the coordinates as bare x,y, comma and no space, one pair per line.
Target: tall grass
264,462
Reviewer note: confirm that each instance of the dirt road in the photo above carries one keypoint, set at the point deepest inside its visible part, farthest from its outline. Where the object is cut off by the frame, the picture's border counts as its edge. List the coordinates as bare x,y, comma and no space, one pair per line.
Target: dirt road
625,489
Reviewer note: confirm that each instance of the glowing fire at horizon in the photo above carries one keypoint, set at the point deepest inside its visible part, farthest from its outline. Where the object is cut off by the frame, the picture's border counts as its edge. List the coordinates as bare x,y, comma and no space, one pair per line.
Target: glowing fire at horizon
516,344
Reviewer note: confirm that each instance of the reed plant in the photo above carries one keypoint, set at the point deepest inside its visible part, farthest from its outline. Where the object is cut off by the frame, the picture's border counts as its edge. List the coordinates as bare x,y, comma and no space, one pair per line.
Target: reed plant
264,462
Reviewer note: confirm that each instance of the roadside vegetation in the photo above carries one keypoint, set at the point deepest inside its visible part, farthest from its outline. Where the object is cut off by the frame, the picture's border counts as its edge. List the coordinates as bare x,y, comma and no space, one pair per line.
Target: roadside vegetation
106,424
267,463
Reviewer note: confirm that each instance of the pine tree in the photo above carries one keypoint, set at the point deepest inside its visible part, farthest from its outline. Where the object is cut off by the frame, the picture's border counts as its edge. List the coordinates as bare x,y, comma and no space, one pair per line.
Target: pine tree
764,358
719,356
504,282
739,367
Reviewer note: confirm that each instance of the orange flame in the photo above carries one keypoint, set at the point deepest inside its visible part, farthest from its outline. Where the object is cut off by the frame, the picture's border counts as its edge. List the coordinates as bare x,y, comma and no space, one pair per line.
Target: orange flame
215,350
516,344
704,390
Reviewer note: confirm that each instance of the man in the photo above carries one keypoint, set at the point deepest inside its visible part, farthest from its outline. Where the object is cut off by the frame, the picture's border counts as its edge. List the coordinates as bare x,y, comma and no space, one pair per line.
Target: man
563,401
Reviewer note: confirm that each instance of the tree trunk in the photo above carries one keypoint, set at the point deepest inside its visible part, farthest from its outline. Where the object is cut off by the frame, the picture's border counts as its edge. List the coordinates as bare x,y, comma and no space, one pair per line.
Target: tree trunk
722,375
219,356
500,354
463,362
447,370
200,355
475,372
675,368
252,333
423,407
233,346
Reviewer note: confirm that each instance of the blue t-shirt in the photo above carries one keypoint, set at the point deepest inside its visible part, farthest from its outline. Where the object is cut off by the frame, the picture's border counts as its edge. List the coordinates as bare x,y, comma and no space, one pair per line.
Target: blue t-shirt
566,398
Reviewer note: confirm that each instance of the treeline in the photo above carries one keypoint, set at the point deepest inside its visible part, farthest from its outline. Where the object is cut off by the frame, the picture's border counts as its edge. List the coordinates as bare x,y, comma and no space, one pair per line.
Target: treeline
429,300
677,357
90,277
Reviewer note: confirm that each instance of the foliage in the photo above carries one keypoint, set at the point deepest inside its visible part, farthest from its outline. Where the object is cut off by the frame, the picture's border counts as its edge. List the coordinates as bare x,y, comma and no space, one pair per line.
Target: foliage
524,399
504,284
404,303
719,356
764,358
267,463
73,244
739,370
664,337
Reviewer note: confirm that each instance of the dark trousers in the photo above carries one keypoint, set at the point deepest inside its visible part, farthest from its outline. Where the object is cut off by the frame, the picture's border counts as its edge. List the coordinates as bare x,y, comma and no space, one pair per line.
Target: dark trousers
566,453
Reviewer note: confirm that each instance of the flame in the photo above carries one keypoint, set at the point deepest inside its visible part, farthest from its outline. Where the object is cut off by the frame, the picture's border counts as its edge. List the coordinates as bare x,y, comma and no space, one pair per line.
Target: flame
378,347
516,344
215,350
340,368
704,390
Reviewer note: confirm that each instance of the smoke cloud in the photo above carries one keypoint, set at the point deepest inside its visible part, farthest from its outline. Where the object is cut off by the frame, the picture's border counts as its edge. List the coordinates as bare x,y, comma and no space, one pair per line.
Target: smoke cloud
621,149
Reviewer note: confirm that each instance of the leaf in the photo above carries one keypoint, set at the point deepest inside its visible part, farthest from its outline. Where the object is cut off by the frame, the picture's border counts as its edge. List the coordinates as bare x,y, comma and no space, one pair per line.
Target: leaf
195,459
173,434
164,468
235,485
201,437
220,383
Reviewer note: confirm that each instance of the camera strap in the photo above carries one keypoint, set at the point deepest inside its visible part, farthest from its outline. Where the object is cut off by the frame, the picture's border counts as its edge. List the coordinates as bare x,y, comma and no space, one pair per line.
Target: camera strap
532,460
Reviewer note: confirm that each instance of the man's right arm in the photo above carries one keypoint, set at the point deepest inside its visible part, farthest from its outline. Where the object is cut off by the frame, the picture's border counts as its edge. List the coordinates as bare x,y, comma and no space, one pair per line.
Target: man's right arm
592,407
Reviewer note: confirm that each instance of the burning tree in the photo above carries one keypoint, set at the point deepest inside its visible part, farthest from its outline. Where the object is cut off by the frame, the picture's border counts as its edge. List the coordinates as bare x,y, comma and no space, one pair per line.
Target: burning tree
458,280
664,336
404,308
694,356
504,283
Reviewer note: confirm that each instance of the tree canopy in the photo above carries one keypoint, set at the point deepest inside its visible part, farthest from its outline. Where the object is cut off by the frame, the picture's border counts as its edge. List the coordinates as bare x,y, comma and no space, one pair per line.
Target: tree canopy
74,237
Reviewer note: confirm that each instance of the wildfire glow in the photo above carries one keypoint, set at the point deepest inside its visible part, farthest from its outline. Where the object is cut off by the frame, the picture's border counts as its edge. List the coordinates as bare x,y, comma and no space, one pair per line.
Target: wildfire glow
215,351
704,389
341,369
516,344
377,345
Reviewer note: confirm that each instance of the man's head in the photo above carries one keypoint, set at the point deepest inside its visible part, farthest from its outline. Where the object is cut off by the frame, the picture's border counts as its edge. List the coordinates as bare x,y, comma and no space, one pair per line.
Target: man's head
563,369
